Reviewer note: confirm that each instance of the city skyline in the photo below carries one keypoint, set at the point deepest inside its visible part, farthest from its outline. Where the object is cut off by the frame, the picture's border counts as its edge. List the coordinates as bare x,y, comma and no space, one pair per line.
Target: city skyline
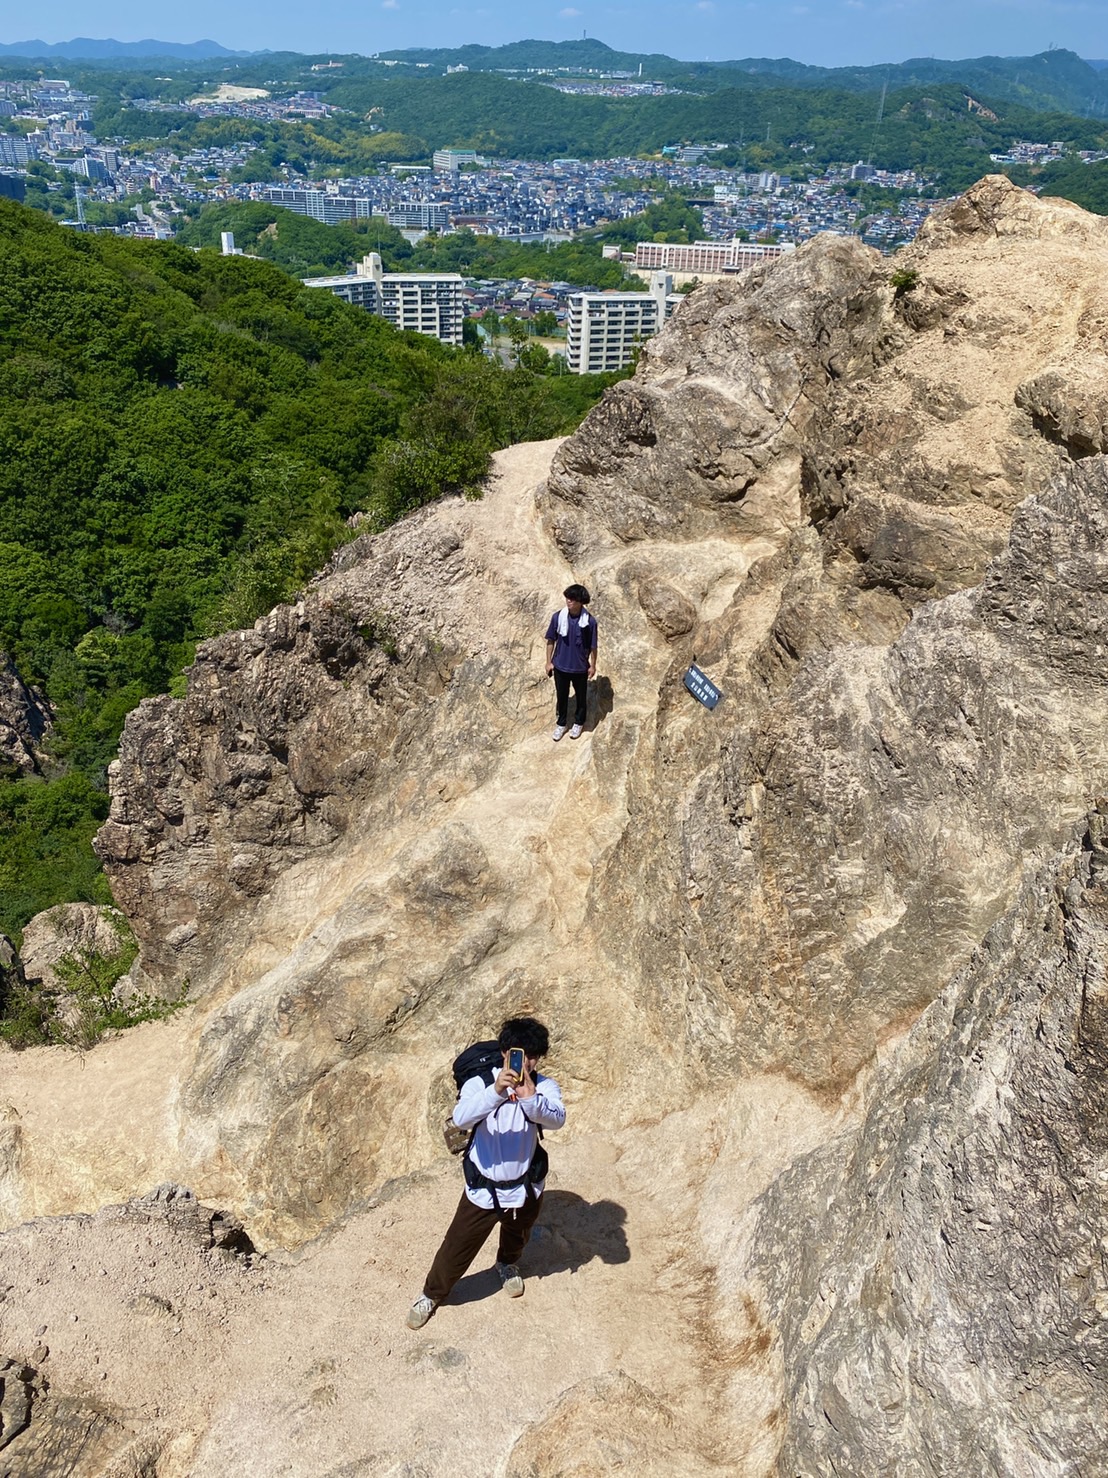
817,32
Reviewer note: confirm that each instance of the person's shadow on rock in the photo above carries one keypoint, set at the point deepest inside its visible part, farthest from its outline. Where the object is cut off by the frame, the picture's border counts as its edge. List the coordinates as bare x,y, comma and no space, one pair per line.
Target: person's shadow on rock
570,1232
602,700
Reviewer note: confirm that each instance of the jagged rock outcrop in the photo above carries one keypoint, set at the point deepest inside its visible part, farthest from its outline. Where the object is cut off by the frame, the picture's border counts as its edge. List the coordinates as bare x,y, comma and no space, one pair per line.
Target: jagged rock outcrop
24,721
804,464
873,508
939,1278
250,773
708,438
859,838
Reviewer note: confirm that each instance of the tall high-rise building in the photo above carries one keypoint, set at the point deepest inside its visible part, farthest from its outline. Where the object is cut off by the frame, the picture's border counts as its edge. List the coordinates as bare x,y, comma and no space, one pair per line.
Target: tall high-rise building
603,329
426,302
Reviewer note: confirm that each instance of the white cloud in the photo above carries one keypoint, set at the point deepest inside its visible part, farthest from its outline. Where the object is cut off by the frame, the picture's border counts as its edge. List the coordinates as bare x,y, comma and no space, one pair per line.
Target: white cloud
705,5
569,13
390,5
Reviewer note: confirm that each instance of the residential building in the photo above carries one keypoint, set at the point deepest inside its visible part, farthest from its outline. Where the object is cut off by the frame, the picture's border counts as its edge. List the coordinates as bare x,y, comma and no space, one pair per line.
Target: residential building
707,257
602,329
86,166
320,205
16,150
425,302
418,215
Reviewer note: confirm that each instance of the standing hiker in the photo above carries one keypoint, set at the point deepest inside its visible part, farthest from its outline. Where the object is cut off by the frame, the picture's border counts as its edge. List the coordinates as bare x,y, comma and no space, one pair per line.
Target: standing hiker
505,1165
571,658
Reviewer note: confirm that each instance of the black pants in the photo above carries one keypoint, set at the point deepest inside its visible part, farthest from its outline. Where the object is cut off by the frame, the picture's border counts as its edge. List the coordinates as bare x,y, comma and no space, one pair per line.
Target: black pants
580,681
466,1234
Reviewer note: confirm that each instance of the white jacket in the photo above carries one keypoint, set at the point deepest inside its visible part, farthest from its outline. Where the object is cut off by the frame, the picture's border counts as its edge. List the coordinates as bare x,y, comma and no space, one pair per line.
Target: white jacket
506,1135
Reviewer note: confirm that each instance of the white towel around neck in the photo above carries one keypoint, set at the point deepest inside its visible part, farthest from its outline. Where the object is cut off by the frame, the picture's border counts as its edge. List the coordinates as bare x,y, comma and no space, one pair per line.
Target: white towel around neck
563,621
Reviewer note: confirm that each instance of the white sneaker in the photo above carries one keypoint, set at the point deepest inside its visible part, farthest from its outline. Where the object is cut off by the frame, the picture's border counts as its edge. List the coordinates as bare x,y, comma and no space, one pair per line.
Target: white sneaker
575,732
559,730
510,1280
420,1312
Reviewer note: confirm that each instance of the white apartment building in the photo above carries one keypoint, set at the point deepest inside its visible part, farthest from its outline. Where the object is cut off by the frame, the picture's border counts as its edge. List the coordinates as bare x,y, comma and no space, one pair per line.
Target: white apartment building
602,329
418,215
448,160
425,302
709,257
320,205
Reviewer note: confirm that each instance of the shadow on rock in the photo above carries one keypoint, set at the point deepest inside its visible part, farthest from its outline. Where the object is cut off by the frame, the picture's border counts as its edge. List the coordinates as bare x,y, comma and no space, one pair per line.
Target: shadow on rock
570,1232
602,700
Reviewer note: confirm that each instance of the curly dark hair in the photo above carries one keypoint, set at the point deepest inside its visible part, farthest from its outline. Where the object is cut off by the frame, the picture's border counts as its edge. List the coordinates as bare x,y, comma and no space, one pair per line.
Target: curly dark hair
525,1032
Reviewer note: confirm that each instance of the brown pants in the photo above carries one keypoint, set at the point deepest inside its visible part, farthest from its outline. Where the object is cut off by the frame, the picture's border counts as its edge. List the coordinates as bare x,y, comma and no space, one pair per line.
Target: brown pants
466,1234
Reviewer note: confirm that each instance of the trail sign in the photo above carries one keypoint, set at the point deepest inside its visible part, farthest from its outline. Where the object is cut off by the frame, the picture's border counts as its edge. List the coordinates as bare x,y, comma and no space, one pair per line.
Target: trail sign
701,687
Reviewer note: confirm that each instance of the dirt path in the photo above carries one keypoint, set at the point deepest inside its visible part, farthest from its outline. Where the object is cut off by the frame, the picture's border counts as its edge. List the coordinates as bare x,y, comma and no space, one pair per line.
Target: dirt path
300,1366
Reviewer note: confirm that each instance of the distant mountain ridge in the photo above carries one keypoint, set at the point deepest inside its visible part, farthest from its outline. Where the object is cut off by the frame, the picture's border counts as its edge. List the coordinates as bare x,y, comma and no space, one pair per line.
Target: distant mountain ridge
84,48
1052,80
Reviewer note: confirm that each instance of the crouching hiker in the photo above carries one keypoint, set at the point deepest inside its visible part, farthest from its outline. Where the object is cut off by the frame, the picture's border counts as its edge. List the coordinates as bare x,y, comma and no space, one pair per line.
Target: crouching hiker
505,1107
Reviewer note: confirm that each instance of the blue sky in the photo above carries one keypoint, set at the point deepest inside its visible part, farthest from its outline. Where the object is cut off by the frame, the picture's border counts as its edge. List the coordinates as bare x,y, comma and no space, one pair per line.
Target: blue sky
827,32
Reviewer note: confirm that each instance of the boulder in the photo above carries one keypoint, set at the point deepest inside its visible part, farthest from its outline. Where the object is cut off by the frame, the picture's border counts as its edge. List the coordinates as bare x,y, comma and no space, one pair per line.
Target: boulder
69,931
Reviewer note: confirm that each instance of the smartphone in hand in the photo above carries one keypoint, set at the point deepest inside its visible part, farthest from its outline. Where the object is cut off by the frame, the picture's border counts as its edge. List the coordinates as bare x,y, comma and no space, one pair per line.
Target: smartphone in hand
515,1062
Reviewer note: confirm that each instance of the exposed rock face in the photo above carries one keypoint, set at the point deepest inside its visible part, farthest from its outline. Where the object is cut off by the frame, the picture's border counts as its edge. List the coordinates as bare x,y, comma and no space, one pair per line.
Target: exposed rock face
708,437
248,774
68,930
874,512
24,720
940,1277
865,831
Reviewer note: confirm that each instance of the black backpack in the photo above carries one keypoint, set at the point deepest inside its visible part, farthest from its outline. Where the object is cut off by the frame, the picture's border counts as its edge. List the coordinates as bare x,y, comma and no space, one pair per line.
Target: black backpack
483,1060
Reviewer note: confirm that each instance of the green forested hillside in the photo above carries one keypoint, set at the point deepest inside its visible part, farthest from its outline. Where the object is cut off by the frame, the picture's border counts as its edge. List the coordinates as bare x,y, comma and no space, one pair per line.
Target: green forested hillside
1052,81
1085,184
181,438
1055,80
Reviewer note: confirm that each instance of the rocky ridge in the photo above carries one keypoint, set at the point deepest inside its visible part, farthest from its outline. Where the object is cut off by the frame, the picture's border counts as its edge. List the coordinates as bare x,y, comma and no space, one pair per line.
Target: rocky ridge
874,510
